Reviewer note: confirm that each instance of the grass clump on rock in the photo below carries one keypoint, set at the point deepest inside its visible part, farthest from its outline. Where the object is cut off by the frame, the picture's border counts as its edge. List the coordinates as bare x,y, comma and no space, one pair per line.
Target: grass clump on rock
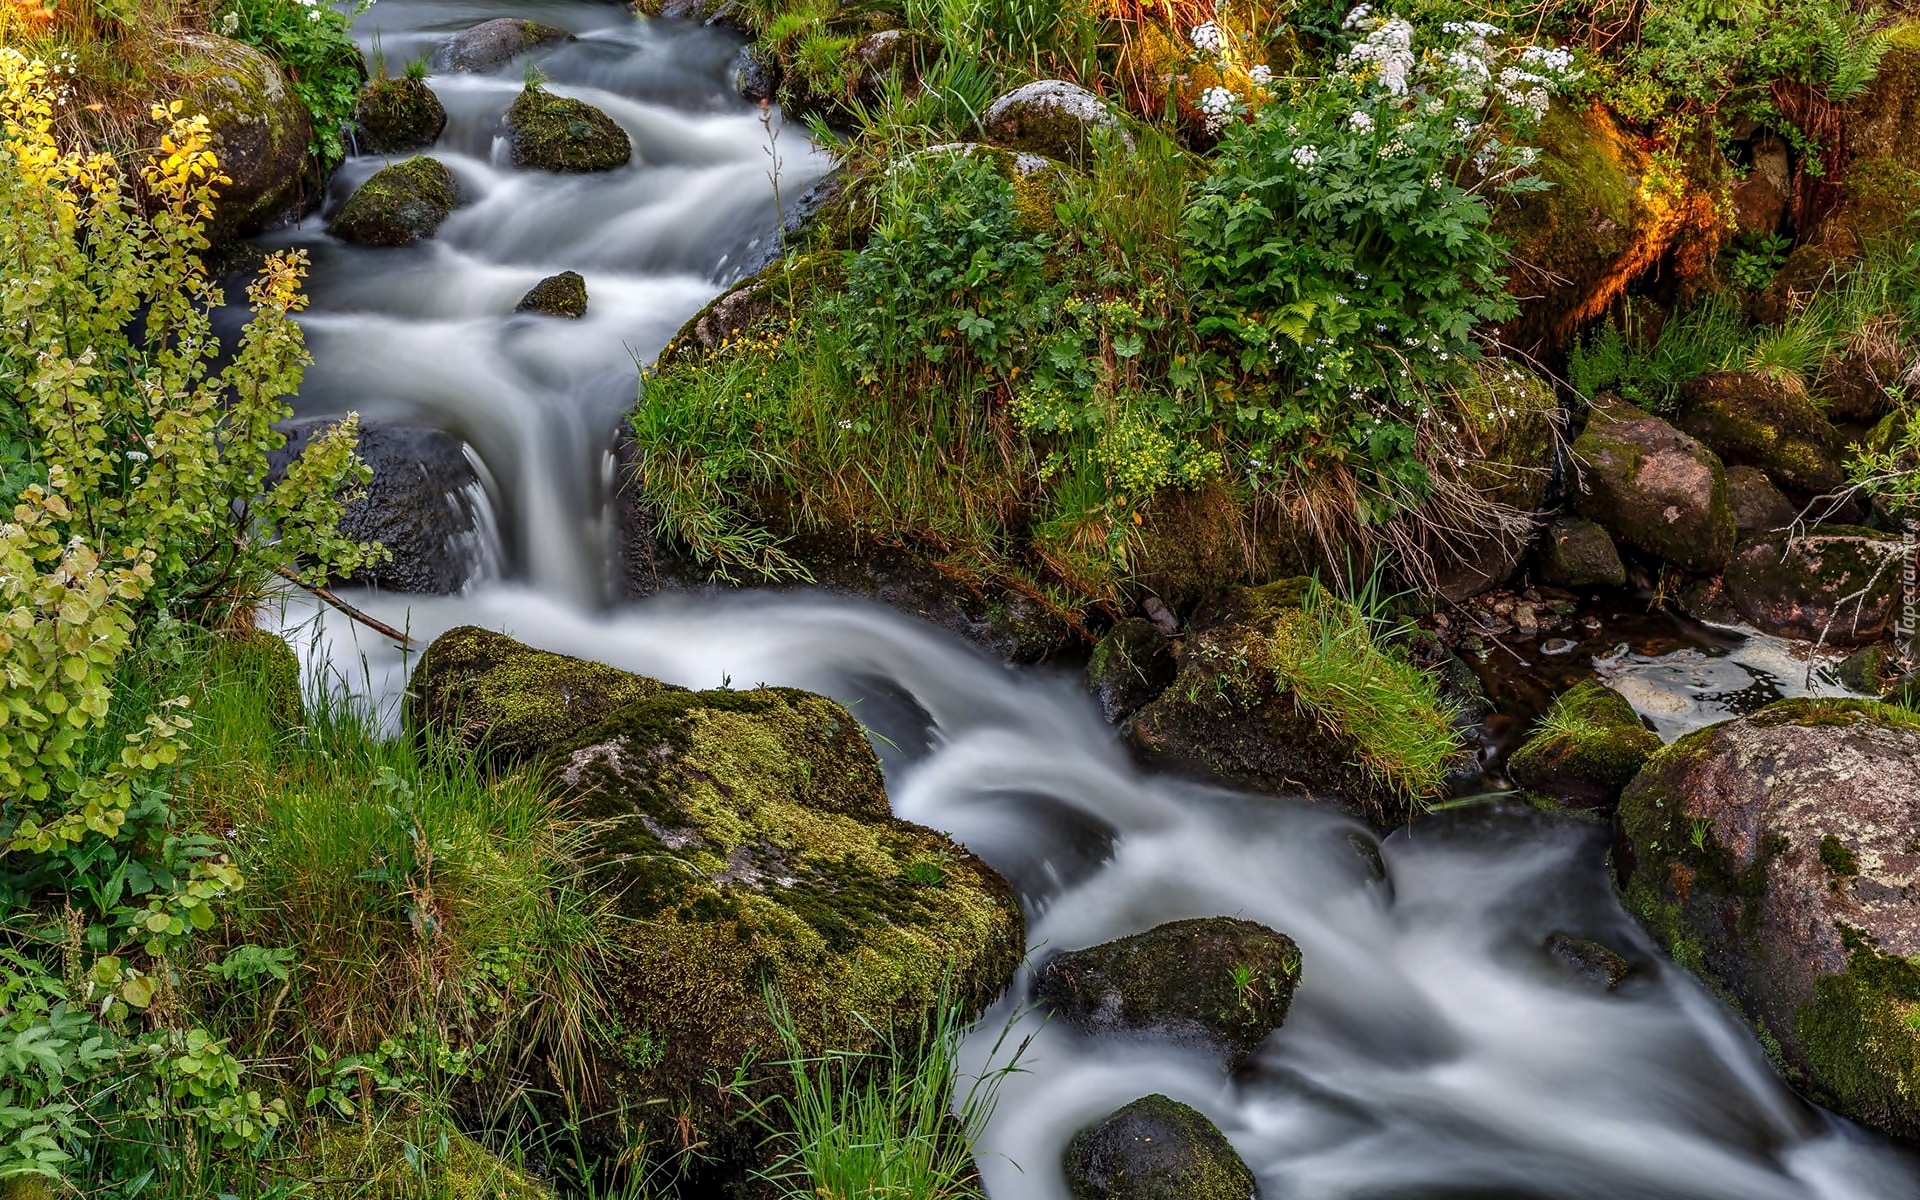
404,203
395,115
546,132
1585,748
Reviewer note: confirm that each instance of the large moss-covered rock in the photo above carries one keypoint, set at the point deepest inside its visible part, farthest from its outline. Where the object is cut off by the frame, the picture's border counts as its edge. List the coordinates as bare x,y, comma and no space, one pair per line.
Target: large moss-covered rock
509,701
377,1165
1577,553
1588,746
1131,665
562,295
495,43
1049,117
1654,487
1776,856
394,116
1752,419
1155,1149
263,662
260,128
1837,583
546,132
1217,983
404,203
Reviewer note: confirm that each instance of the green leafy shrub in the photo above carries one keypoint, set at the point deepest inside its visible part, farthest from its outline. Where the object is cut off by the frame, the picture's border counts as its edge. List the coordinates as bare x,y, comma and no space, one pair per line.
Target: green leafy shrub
312,41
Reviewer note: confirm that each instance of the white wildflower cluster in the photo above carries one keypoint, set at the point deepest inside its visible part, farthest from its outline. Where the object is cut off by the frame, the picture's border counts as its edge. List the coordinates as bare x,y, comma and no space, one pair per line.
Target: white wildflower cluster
1207,38
1306,157
1261,74
1217,105
1470,69
1385,54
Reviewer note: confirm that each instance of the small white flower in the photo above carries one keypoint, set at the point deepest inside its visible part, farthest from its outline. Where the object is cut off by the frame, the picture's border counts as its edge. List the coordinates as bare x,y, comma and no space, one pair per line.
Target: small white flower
1262,75
1207,38
1360,121
1305,157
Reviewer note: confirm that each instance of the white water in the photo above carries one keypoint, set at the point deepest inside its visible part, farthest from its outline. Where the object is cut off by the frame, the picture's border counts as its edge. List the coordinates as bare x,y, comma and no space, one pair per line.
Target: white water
1433,1050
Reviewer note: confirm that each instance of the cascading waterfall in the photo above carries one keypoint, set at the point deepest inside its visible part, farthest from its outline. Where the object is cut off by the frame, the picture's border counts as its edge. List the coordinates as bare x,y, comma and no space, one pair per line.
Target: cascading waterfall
1433,1050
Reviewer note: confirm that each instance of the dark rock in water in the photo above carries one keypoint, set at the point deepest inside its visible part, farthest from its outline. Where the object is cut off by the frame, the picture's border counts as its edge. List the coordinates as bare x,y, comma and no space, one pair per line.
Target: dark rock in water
1775,856
404,203
1751,419
1131,665
1589,961
1577,553
1837,583
419,505
753,77
1216,983
746,838
1049,117
546,132
495,43
1155,1149
1654,487
562,295
260,130
1758,506
398,115
1588,746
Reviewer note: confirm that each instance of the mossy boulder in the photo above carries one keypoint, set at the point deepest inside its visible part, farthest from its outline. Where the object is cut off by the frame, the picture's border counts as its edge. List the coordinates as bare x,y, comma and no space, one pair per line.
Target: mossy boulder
1752,419
1654,487
1155,1149
1048,117
746,838
1507,419
1775,856
546,132
508,701
1216,983
404,203
562,295
1577,553
1131,665
26,1187
1586,749
1758,506
377,1165
263,661
260,128
395,116
1837,583
493,44
1591,962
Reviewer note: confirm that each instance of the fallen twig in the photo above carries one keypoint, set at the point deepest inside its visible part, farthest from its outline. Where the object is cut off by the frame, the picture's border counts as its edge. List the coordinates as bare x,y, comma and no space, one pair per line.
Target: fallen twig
368,619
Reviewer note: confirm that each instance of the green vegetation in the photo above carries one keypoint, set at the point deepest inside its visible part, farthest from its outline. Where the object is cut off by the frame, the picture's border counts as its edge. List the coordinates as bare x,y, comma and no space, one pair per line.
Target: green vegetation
311,41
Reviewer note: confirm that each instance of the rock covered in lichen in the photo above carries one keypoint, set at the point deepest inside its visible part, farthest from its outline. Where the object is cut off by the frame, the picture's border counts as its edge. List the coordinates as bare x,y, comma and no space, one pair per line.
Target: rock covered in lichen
260,129
404,203
546,132
1129,666
1155,1148
495,43
1216,983
1654,487
562,295
1751,419
398,115
1835,583
1048,117
1577,553
1777,856
1588,746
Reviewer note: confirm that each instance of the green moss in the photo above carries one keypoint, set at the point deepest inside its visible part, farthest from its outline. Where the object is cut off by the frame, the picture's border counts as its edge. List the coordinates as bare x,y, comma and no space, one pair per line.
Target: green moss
1835,710
562,295
395,115
558,133
1509,414
261,660
1861,1034
403,203
1156,1148
1835,856
1586,748
379,1165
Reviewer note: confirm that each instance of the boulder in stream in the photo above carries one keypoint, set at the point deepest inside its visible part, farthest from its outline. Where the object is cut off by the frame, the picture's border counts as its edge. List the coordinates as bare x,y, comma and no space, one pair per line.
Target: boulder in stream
1156,1148
1215,983
546,132
562,295
1049,117
1654,487
1836,583
1758,506
394,116
1585,749
495,43
404,203
260,129
747,839
1576,553
1777,856
1750,418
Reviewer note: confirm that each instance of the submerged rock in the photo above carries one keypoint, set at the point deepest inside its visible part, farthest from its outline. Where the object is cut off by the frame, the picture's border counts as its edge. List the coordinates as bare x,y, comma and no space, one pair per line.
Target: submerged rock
1215,983
404,203
1776,856
398,115
495,43
1589,961
562,295
1836,583
1758,506
1577,553
1155,1149
260,129
1049,117
1654,487
1588,746
1751,419
1131,665
546,132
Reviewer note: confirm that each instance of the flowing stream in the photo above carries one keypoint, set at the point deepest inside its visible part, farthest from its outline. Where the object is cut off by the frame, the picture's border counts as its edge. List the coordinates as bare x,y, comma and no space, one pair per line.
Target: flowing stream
1434,1049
